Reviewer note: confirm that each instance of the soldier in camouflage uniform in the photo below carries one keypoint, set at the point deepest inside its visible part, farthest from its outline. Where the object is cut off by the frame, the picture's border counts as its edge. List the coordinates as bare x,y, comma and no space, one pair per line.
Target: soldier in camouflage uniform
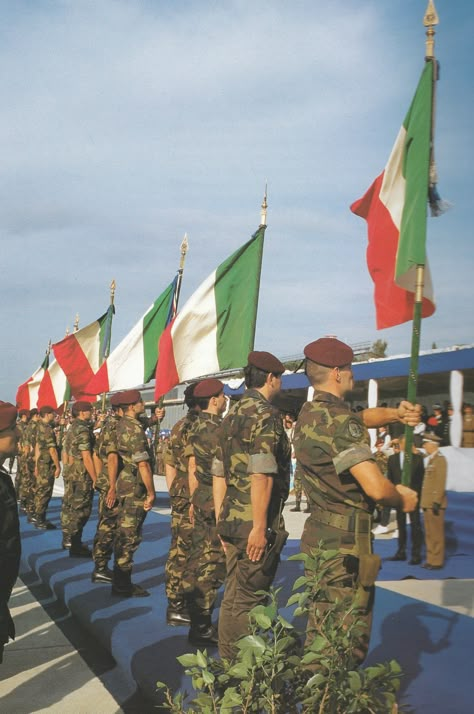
81,478
107,466
176,472
29,482
66,461
342,481
21,461
207,560
135,492
251,484
47,466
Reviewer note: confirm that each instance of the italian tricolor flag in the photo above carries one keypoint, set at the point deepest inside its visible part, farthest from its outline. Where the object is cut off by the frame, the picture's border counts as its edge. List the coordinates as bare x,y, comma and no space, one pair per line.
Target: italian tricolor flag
395,208
133,361
80,355
27,393
215,329
54,388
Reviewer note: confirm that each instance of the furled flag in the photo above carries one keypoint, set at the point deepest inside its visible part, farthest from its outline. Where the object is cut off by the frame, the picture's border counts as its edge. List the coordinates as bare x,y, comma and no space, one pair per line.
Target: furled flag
81,354
54,389
395,208
215,329
27,393
133,361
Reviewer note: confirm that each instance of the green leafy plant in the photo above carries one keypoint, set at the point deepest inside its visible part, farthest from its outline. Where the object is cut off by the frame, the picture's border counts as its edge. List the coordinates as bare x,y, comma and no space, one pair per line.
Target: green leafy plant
273,674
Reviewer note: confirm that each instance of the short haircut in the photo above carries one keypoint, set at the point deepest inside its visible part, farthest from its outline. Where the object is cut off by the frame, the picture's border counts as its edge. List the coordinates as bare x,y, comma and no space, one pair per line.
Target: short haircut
316,373
256,377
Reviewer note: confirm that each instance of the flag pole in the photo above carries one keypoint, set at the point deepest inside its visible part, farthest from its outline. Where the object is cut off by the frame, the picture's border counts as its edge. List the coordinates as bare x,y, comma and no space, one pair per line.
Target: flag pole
174,309
108,333
262,227
429,21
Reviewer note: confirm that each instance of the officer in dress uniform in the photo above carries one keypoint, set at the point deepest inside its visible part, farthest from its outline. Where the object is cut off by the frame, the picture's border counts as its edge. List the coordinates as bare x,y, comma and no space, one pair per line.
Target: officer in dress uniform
434,501
342,481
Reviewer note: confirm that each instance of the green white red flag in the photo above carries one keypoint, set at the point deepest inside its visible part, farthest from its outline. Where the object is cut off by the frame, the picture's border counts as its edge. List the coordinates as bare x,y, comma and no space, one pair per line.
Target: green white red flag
395,208
133,361
216,327
27,393
54,389
80,354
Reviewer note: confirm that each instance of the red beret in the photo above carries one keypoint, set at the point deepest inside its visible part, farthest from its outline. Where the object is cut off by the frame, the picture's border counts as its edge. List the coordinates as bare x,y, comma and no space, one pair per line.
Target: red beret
208,388
46,409
266,362
115,399
8,414
131,396
81,406
329,352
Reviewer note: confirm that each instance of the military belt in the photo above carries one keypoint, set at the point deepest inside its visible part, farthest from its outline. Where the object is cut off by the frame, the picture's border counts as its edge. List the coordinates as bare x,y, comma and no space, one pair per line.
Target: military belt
343,522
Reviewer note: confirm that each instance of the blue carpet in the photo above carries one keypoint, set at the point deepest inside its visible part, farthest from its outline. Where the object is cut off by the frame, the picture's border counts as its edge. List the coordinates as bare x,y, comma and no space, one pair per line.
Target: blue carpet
145,649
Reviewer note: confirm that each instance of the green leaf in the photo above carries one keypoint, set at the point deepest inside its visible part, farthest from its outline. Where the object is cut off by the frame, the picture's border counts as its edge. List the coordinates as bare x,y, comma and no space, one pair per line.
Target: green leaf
318,644
315,681
395,667
239,670
293,598
208,677
200,659
354,681
283,643
263,620
284,623
187,660
254,641
299,582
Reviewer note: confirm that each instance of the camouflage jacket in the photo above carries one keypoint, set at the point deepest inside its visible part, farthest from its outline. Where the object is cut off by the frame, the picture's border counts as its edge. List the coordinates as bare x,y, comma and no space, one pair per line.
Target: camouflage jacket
45,440
203,441
30,437
79,438
133,448
329,440
22,427
251,440
174,456
106,443
381,460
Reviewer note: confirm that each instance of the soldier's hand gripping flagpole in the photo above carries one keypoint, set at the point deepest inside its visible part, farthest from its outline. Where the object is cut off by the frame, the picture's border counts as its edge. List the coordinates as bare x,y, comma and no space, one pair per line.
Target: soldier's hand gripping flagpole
108,333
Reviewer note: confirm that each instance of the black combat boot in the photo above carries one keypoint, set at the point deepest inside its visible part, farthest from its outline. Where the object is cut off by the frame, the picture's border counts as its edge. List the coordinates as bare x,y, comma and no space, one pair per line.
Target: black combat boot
202,632
78,549
122,584
44,525
102,575
297,506
177,613
66,543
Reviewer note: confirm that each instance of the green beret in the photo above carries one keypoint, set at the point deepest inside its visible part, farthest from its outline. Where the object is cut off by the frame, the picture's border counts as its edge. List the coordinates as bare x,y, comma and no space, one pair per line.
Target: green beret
266,362
329,352
208,388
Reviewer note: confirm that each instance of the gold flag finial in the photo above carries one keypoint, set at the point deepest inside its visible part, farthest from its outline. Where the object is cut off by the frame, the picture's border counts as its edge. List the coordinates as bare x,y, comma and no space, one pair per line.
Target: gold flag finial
429,21
184,249
263,215
67,331
113,285
76,323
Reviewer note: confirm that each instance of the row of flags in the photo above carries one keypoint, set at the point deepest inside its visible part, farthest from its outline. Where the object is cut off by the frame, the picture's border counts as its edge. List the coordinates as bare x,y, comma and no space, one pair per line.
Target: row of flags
214,331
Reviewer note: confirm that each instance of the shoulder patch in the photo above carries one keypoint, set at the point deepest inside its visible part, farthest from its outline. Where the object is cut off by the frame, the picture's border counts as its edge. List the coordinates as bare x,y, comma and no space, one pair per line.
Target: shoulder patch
355,428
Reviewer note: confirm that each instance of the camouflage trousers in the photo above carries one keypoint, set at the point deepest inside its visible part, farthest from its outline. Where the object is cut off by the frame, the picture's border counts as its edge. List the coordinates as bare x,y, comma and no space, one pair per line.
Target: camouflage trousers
105,534
77,503
44,486
180,549
128,533
206,563
341,583
298,487
21,468
28,486
244,584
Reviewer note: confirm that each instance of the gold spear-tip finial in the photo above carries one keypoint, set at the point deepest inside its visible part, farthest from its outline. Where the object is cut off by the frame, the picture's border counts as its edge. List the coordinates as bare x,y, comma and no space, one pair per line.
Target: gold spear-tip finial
113,285
263,215
76,323
429,21
67,331
183,249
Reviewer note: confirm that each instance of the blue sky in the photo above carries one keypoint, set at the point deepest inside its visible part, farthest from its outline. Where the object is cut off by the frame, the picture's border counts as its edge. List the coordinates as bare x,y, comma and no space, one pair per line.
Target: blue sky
125,124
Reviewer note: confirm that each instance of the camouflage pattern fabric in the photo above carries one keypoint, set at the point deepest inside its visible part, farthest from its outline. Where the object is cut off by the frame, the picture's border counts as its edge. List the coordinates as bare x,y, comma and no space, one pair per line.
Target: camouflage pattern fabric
206,565
298,487
21,463
251,440
66,465
77,504
381,460
131,492
329,440
28,485
181,528
107,523
45,440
